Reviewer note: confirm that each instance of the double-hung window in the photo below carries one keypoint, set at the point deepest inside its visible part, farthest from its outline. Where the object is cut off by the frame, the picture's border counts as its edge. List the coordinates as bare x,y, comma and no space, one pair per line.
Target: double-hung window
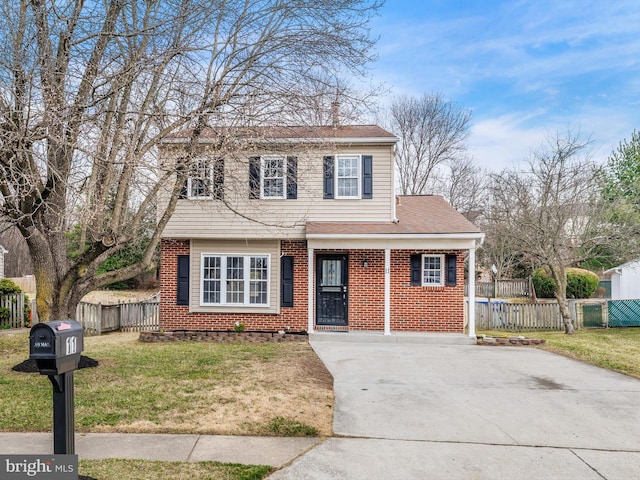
348,176
433,270
273,178
206,178
235,280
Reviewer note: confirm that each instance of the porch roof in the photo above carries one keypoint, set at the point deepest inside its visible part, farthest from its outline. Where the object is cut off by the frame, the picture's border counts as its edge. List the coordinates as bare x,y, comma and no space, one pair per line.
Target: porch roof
416,214
423,221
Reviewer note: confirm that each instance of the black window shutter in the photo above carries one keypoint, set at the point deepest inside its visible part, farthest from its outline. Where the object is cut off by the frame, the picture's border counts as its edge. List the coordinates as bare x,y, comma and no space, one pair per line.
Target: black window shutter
328,183
183,280
218,179
451,262
292,178
254,177
416,270
367,176
286,281
183,190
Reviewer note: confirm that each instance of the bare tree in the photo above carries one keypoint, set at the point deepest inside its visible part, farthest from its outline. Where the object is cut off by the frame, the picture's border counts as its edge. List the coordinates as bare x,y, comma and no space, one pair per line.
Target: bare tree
464,185
432,131
552,213
89,89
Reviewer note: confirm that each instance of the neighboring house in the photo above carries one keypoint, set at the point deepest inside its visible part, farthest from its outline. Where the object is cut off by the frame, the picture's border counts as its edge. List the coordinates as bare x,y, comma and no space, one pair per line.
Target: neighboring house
625,281
3,252
303,232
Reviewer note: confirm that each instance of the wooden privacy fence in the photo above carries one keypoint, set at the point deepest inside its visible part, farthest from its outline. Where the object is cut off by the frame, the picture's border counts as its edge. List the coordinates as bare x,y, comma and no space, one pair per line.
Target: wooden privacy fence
501,289
12,310
543,315
127,317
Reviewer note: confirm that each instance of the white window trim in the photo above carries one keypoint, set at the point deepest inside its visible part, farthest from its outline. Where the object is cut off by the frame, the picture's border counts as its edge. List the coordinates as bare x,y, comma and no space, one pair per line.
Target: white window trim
247,280
442,270
284,176
209,164
337,178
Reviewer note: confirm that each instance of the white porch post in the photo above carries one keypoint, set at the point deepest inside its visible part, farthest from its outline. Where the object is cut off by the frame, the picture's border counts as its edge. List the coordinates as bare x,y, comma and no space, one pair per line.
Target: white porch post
472,292
387,291
311,295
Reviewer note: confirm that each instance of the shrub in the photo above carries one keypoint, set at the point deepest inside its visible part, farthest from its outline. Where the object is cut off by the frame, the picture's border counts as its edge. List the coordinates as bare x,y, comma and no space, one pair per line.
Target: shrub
543,284
580,283
7,287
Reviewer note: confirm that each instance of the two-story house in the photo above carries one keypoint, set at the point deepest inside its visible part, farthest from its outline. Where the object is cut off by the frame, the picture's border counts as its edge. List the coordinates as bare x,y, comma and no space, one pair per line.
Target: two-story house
299,229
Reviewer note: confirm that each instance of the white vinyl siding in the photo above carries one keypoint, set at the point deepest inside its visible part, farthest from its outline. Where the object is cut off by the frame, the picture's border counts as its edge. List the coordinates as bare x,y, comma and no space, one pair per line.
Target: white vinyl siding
282,220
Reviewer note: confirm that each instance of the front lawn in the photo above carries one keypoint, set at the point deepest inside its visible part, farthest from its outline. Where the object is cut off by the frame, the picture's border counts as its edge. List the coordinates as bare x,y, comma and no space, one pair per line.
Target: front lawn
179,387
616,349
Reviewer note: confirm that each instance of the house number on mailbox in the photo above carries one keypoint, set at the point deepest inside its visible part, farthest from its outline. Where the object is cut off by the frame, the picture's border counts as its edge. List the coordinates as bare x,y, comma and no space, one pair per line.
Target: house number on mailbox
72,345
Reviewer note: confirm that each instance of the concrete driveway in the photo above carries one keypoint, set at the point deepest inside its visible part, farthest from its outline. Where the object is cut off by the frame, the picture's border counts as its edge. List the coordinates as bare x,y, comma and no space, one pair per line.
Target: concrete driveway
432,411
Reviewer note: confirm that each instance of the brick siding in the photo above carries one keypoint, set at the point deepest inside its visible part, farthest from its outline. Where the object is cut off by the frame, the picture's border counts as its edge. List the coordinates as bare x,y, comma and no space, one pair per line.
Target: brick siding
427,309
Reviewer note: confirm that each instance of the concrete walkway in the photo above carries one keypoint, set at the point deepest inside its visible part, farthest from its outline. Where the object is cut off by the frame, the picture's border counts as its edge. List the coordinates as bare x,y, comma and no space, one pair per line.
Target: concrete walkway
432,411
274,451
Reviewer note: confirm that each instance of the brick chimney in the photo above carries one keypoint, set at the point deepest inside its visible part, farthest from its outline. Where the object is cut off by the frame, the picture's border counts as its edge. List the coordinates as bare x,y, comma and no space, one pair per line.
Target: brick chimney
335,114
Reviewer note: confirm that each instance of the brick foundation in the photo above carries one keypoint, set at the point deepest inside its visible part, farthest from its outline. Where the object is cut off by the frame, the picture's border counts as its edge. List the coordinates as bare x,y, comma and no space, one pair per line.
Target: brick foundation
220,337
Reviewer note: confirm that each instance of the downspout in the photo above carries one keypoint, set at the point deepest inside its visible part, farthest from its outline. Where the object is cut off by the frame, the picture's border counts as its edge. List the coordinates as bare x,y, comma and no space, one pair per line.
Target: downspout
472,291
394,198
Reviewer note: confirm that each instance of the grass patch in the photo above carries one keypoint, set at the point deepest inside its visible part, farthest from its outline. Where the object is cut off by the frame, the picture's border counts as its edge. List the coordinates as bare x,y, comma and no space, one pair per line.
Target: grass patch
150,470
178,387
287,427
616,349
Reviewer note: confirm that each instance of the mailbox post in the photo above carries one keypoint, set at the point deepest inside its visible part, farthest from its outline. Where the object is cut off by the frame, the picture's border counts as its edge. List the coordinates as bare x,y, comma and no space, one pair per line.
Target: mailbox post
56,348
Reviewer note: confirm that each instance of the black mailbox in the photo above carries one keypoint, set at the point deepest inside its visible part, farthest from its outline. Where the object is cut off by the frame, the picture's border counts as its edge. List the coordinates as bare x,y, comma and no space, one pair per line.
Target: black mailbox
56,346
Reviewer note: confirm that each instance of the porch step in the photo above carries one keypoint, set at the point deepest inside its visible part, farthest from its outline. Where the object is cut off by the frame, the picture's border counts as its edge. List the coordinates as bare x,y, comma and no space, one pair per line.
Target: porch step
395,337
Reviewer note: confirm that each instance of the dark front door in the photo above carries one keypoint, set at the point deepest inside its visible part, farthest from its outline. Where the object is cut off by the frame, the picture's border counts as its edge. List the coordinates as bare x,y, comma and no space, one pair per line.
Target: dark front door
331,286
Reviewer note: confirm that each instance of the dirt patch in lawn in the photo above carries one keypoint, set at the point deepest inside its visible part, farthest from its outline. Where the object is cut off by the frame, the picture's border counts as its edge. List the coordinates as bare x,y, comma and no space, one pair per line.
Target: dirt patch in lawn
113,297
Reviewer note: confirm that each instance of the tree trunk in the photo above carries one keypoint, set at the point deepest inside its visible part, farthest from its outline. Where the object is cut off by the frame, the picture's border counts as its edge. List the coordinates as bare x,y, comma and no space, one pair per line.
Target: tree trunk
559,275
566,315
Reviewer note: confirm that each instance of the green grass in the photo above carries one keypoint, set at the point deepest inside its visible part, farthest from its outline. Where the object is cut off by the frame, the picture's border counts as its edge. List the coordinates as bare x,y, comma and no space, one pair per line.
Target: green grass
616,349
177,387
148,470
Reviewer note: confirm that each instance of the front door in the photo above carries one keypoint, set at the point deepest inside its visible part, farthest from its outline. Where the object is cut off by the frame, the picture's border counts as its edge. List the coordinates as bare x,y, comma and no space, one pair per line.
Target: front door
331,287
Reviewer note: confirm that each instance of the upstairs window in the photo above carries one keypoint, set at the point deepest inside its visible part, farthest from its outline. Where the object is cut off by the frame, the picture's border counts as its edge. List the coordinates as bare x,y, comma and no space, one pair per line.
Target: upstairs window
273,179
206,179
348,176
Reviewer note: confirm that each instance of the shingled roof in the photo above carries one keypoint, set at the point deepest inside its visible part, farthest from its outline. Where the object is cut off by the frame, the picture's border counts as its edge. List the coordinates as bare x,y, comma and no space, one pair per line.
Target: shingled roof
342,132
417,215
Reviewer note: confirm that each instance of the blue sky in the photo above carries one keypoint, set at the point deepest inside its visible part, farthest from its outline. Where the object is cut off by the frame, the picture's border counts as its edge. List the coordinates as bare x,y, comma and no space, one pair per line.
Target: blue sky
526,69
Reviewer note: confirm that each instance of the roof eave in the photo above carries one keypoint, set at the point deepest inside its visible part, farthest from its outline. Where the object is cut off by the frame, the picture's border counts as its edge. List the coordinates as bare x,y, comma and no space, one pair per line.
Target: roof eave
347,140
